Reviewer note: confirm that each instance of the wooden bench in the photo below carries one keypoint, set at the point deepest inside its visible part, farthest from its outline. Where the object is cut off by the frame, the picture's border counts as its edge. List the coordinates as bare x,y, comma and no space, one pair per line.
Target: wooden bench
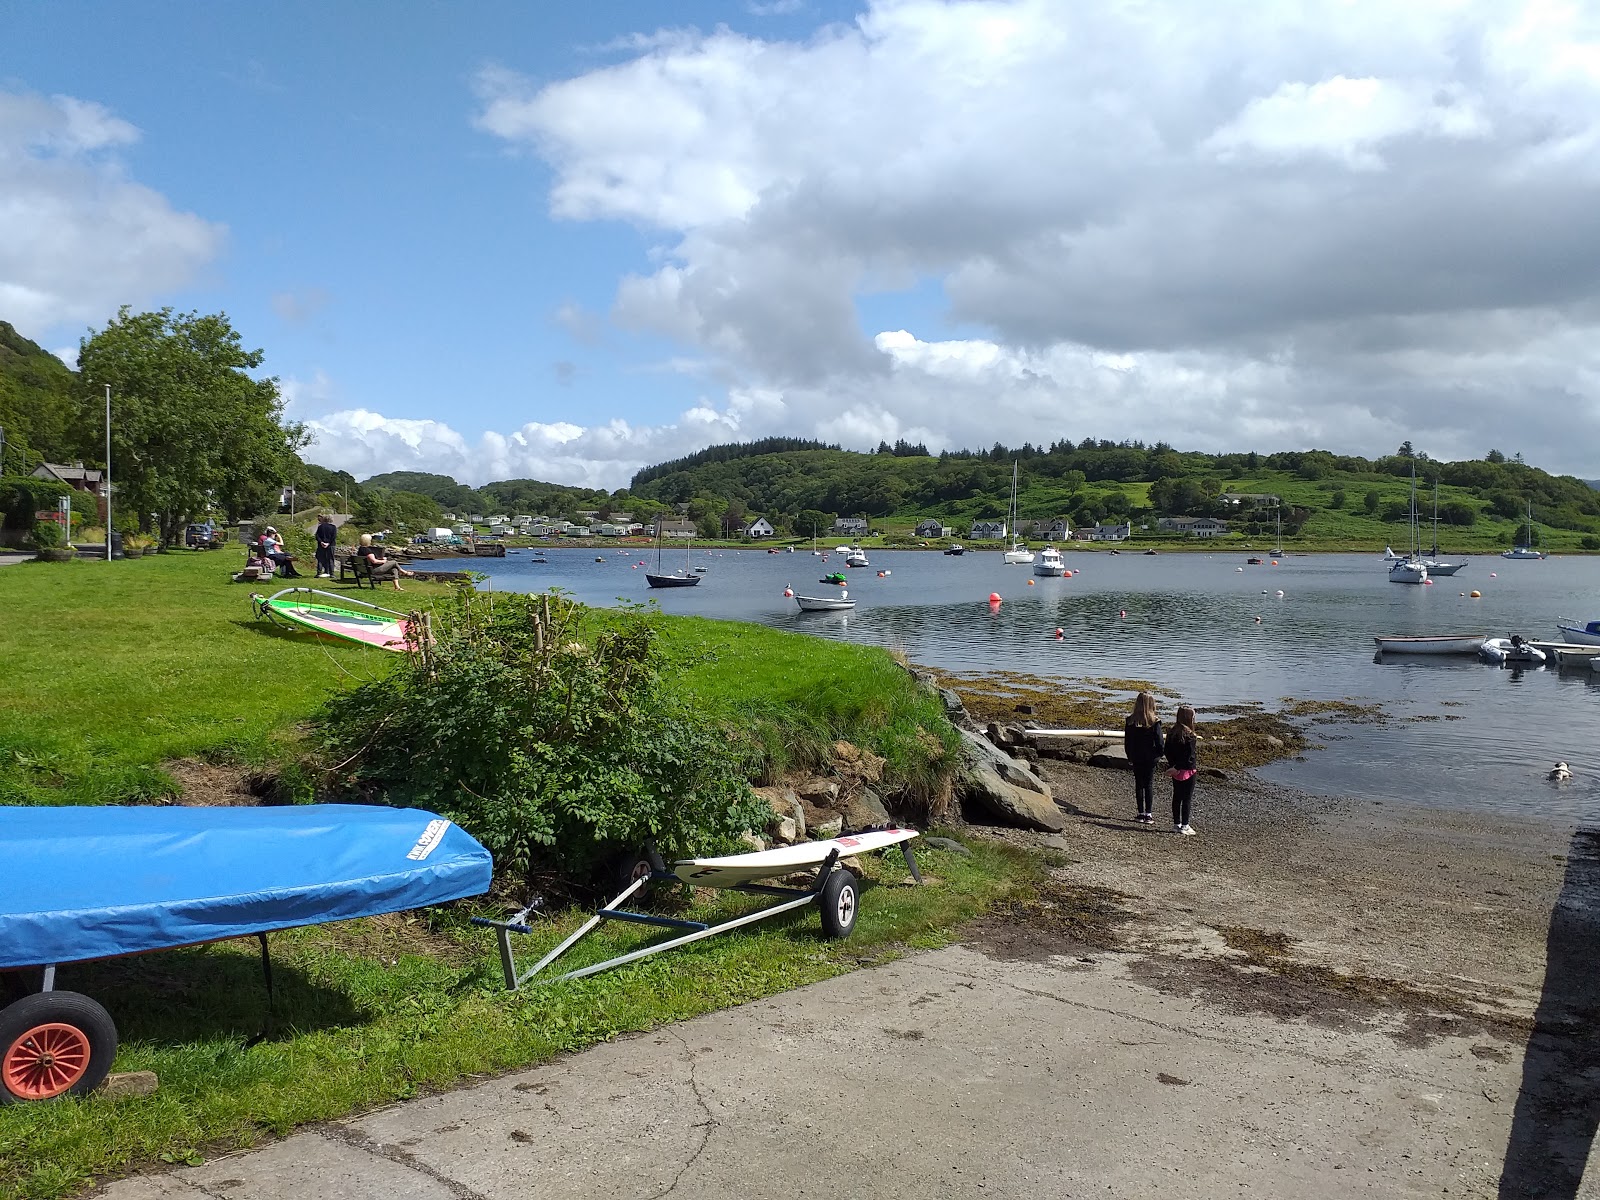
353,566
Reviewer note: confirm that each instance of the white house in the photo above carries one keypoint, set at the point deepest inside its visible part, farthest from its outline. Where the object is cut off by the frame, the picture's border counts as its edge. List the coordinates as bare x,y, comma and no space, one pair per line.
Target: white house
1200,527
759,528
988,529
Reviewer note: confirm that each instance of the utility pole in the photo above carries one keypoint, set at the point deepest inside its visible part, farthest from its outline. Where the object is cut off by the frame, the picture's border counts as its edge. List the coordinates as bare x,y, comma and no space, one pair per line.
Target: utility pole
108,472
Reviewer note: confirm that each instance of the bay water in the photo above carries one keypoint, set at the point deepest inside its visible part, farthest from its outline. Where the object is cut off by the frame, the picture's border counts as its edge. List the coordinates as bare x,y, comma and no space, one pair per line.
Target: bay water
1211,628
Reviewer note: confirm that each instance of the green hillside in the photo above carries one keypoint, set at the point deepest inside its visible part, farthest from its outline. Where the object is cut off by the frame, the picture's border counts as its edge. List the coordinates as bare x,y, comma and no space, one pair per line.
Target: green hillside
38,408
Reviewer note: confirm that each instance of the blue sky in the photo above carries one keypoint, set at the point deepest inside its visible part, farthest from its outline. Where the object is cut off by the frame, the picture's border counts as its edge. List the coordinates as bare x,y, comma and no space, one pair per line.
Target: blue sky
567,240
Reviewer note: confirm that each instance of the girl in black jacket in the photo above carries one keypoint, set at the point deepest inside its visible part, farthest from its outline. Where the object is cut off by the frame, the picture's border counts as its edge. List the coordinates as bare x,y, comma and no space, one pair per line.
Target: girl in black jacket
1183,762
1141,739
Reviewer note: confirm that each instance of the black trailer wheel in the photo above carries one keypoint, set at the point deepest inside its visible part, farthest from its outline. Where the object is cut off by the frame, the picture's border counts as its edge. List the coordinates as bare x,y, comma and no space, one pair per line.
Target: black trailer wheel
840,896
632,866
54,1044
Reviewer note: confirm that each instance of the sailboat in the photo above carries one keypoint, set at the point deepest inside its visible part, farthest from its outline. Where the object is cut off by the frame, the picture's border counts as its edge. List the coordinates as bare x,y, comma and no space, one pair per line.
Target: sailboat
1277,551
1019,554
1411,568
1432,561
661,579
1526,550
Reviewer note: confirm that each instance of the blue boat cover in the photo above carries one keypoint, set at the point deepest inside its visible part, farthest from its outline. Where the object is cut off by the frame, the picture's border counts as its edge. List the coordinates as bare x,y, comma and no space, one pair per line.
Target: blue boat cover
82,883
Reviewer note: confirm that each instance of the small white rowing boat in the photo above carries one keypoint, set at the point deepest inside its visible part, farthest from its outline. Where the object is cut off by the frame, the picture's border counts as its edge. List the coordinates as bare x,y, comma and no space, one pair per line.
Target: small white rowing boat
839,603
1447,643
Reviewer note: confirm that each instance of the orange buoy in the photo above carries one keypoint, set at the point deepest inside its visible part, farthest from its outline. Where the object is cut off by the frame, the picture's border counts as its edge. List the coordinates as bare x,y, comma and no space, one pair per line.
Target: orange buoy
1030,583
994,597
1477,595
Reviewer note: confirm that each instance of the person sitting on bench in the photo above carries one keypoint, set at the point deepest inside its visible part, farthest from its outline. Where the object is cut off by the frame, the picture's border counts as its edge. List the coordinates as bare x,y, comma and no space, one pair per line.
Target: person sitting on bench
272,547
379,567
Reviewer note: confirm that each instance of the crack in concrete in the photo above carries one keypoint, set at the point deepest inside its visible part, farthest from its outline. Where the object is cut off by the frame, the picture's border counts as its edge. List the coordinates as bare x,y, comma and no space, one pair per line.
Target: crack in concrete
399,1156
1233,1043
706,1126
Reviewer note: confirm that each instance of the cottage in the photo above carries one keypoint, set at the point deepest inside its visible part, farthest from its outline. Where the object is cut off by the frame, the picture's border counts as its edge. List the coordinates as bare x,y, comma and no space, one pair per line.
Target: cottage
79,478
1111,533
677,529
1058,530
856,525
988,529
932,527
759,528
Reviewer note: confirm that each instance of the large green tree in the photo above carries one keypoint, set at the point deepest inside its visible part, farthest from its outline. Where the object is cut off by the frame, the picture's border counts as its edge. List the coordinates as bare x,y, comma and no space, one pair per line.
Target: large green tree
191,430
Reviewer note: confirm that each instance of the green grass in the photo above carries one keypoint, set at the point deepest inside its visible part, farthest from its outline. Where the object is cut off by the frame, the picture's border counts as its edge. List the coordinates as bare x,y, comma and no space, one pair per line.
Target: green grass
379,1010
112,668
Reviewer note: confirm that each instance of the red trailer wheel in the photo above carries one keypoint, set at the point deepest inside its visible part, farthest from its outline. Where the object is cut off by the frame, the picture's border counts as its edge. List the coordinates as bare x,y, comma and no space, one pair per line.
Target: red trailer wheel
54,1044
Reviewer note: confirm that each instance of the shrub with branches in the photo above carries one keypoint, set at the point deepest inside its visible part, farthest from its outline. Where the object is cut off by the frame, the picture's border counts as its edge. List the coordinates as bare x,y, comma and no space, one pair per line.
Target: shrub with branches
542,728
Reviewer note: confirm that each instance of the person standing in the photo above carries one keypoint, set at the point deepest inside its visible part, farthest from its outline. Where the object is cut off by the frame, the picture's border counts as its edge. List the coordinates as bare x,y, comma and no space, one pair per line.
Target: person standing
1141,739
327,534
1183,762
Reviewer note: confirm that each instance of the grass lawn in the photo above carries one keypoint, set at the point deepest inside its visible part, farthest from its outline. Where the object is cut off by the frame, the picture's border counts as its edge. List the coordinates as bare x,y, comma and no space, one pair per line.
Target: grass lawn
111,670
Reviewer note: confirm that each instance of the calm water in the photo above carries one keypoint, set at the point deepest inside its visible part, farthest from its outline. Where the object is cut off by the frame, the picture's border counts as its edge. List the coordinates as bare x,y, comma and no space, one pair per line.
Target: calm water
1191,626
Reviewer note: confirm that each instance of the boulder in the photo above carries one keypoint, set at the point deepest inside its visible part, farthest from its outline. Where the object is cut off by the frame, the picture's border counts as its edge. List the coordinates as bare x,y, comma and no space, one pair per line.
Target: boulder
752,842
1113,755
819,793
784,803
944,843
865,810
831,828
955,710
846,751
1005,788
1000,735
783,830
1009,804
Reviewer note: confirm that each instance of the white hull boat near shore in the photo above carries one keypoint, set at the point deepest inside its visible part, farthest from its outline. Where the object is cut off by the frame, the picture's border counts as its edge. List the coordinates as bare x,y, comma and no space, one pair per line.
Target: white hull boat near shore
1568,654
839,603
1511,650
1448,643
1050,563
1580,635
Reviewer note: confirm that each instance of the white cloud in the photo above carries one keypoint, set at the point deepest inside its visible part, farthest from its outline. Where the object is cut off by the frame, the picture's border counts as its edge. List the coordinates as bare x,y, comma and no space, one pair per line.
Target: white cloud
1224,225
77,236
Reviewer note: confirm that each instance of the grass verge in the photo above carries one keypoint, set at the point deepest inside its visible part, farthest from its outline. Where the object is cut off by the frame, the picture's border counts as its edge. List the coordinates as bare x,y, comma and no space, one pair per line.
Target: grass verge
384,1009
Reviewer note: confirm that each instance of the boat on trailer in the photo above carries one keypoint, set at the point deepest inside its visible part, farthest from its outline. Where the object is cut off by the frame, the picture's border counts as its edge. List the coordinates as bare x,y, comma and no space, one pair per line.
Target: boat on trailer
106,881
834,889
1444,643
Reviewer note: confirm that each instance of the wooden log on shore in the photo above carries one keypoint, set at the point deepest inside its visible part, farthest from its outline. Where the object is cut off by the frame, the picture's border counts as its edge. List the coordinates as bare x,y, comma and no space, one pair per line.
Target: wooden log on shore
444,576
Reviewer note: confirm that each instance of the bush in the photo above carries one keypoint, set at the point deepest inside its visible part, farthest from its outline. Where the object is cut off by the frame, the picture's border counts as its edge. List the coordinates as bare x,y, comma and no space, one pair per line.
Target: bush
542,728
1590,542
47,535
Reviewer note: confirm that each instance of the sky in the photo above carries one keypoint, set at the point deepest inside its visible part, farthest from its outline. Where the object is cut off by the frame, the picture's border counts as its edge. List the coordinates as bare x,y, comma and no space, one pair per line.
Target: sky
564,241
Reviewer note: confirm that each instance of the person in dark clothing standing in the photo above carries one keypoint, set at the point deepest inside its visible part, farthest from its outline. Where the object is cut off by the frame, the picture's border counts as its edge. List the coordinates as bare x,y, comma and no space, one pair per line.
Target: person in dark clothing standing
1183,762
327,534
1141,738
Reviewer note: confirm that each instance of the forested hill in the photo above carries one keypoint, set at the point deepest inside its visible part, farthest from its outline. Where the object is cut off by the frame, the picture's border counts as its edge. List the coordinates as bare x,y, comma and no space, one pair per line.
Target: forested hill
37,402
1097,480
507,496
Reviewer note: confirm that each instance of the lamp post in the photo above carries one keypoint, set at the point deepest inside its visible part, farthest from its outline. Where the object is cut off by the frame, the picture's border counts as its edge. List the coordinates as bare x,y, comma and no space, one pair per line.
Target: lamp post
108,472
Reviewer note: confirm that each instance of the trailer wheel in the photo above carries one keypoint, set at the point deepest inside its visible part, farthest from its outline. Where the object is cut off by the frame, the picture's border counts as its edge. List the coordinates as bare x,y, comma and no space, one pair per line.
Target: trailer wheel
54,1044
840,894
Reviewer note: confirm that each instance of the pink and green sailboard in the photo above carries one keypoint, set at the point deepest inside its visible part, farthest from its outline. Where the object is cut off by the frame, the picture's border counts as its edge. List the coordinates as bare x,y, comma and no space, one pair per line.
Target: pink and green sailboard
295,608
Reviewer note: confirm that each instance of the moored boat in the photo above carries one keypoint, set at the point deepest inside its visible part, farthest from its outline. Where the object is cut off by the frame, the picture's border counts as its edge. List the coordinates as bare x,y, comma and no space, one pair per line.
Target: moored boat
1050,563
1524,552
1408,570
839,603
1513,649
956,549
856,558
1443,643
1581,635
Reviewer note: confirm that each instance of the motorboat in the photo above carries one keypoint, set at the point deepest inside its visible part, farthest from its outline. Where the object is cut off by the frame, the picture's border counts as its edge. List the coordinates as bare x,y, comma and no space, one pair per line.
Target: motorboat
1581,635
1255,562
1050,563
857,557
834,577
1513,649
839,603
957,549
1443,643
1019,554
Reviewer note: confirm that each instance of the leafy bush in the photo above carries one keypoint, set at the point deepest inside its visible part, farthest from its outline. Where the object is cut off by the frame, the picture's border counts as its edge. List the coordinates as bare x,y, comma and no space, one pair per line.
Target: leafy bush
47,535
1590,542
542,728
